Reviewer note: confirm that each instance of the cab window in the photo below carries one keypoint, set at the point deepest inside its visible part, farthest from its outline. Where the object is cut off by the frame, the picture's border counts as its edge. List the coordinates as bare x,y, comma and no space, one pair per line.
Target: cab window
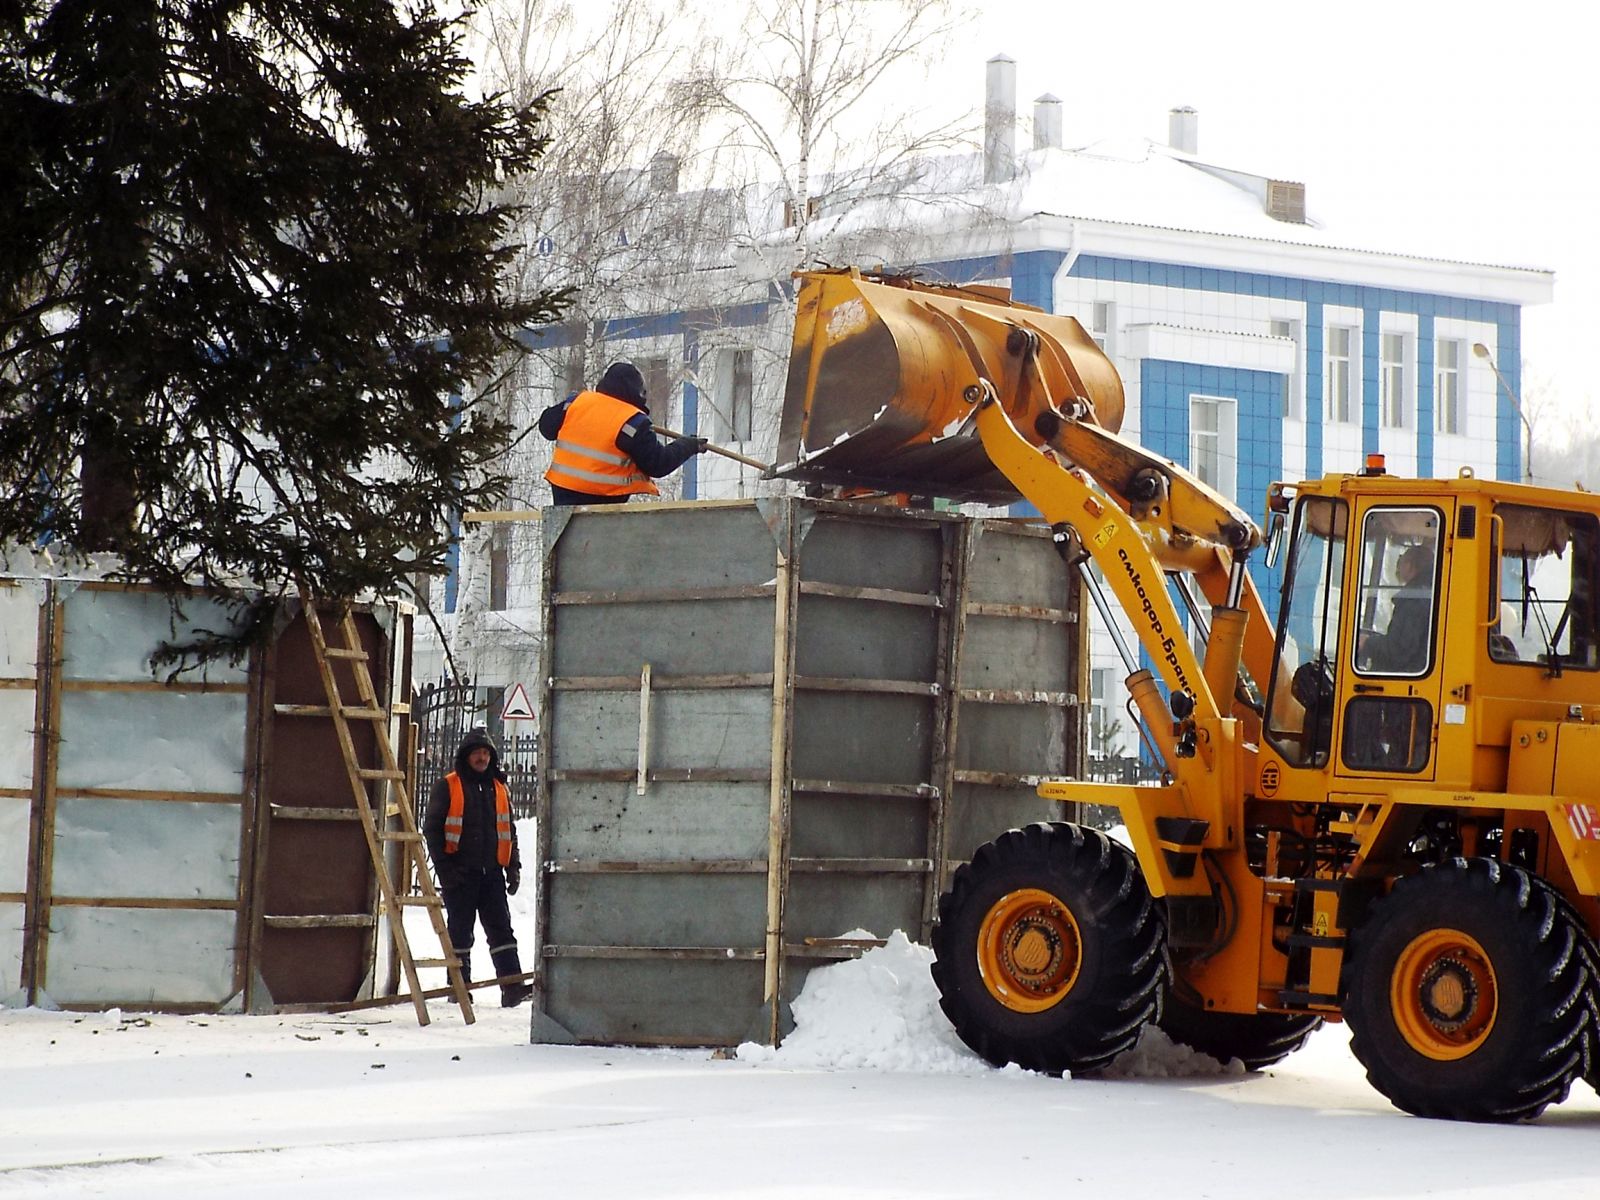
1397,605
1387,733
1301,696
1547,562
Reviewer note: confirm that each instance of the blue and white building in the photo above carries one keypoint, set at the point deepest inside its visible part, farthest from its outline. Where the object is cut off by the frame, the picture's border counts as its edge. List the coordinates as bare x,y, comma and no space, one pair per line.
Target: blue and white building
1255,342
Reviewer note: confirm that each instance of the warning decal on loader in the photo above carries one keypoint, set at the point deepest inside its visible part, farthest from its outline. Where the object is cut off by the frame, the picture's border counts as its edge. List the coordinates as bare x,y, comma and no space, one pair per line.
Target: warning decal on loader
1585,820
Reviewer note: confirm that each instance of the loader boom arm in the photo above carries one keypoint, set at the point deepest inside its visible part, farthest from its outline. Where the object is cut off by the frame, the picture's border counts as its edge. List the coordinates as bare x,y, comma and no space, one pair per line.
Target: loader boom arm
1131,538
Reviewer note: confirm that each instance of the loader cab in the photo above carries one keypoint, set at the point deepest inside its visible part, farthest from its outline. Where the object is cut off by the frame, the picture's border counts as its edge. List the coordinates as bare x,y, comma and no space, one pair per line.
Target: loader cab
1419,618
1358,676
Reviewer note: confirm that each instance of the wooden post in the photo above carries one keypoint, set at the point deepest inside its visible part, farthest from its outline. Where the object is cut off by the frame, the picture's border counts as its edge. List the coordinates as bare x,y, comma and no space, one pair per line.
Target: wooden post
779,792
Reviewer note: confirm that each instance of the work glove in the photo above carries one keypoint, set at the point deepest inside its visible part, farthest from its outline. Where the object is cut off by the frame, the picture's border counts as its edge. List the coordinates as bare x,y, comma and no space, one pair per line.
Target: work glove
513,880
700,443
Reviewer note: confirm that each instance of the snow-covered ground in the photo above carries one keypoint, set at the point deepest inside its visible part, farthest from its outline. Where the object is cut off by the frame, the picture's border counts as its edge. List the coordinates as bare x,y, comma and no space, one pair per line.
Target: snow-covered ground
872,1096
869,1098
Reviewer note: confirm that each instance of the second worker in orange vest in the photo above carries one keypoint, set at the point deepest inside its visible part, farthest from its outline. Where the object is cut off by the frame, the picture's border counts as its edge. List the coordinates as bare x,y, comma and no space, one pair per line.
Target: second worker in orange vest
473,844
606,449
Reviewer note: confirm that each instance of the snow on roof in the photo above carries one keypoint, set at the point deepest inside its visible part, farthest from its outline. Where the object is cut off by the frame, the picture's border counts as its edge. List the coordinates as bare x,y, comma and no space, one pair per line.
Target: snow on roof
1132,184
1140,182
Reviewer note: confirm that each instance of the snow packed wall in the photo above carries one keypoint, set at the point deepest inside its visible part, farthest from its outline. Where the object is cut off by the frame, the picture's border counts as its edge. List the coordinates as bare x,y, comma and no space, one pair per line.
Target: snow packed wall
149,803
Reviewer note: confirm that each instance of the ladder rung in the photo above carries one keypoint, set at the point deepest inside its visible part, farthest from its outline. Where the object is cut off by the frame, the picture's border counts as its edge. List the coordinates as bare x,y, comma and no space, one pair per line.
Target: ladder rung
435,962
341,652
420,901
400,835
379,773
355,713
302,710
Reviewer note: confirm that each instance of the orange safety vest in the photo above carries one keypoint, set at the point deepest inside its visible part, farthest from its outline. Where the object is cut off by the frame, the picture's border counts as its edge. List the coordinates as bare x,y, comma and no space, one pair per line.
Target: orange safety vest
453,818
586,457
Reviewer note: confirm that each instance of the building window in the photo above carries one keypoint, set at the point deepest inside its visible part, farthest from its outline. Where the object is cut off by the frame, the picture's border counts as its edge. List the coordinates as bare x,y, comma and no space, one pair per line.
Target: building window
1214,443
732,412
1392,378
1292,407
1447,358
499,567
1102,321
1338,402
1105,731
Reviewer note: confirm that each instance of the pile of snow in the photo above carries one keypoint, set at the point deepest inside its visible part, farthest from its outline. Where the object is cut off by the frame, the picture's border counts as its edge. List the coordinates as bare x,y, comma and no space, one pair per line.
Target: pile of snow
880,1012
1156,1056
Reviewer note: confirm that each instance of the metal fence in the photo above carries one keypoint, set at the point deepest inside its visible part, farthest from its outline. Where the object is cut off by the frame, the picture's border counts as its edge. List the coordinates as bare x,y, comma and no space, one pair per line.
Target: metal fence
445,710
1122,768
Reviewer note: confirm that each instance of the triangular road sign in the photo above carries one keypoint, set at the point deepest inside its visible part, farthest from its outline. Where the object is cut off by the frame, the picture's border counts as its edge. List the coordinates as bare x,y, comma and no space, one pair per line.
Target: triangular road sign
517,707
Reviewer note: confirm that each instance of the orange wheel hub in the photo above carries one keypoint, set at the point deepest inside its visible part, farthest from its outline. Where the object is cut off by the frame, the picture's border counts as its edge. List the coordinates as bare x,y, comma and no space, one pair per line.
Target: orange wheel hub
1029,951
1443,994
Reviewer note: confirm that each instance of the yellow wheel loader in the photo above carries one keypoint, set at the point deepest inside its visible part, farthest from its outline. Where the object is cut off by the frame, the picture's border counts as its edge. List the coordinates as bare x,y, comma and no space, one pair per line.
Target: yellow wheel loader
1379,803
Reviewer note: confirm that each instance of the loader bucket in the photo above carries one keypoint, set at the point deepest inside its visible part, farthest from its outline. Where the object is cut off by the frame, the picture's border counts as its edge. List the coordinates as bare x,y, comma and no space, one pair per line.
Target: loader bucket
881,369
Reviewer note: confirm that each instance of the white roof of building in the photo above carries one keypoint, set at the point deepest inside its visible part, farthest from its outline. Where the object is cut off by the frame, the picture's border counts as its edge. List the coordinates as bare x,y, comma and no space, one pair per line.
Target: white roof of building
1140,199
1140,182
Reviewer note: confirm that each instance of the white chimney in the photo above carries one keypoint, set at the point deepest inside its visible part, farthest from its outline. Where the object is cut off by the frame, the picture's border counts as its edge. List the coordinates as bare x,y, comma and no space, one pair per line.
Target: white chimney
1183,130
1000,119
664,173
1047,123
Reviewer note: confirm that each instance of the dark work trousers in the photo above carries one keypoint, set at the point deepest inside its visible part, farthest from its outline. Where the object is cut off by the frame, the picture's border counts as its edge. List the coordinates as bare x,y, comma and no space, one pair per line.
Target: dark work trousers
480,894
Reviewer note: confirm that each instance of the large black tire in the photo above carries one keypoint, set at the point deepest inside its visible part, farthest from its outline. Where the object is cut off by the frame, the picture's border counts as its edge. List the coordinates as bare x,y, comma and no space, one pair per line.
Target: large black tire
1049,951
1589,1072
1591,1002
1466,993
1256,1039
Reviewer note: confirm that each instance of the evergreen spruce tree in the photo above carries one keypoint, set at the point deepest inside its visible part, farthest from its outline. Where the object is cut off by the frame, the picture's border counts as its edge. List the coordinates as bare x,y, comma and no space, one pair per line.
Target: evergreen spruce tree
249,277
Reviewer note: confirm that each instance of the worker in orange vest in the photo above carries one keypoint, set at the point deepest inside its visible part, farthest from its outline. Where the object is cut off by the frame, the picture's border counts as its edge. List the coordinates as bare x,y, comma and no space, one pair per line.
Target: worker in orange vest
606,449
473,844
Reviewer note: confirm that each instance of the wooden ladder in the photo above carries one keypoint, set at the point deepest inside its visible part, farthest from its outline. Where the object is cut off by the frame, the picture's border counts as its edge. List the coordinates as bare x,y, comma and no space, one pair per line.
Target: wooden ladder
374,822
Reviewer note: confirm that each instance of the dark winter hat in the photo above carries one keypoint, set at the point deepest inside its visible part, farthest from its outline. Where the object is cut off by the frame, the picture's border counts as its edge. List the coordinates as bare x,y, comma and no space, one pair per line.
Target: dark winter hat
623,381
477,737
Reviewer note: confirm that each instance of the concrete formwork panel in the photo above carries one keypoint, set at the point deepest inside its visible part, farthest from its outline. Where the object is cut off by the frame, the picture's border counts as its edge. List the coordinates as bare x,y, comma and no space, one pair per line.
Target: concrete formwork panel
624,1000
766,724
611,822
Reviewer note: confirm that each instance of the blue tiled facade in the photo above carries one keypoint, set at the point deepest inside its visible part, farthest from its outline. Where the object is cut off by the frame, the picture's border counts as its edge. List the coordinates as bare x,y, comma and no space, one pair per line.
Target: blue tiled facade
1166,388
1373,302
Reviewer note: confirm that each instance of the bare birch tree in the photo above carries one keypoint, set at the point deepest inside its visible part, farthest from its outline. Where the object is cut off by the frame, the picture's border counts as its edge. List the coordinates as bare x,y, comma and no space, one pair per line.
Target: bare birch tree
818,103
818,97
608,215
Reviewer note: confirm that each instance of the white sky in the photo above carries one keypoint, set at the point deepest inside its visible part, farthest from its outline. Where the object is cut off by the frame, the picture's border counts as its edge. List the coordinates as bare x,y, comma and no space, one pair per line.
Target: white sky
1469,124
